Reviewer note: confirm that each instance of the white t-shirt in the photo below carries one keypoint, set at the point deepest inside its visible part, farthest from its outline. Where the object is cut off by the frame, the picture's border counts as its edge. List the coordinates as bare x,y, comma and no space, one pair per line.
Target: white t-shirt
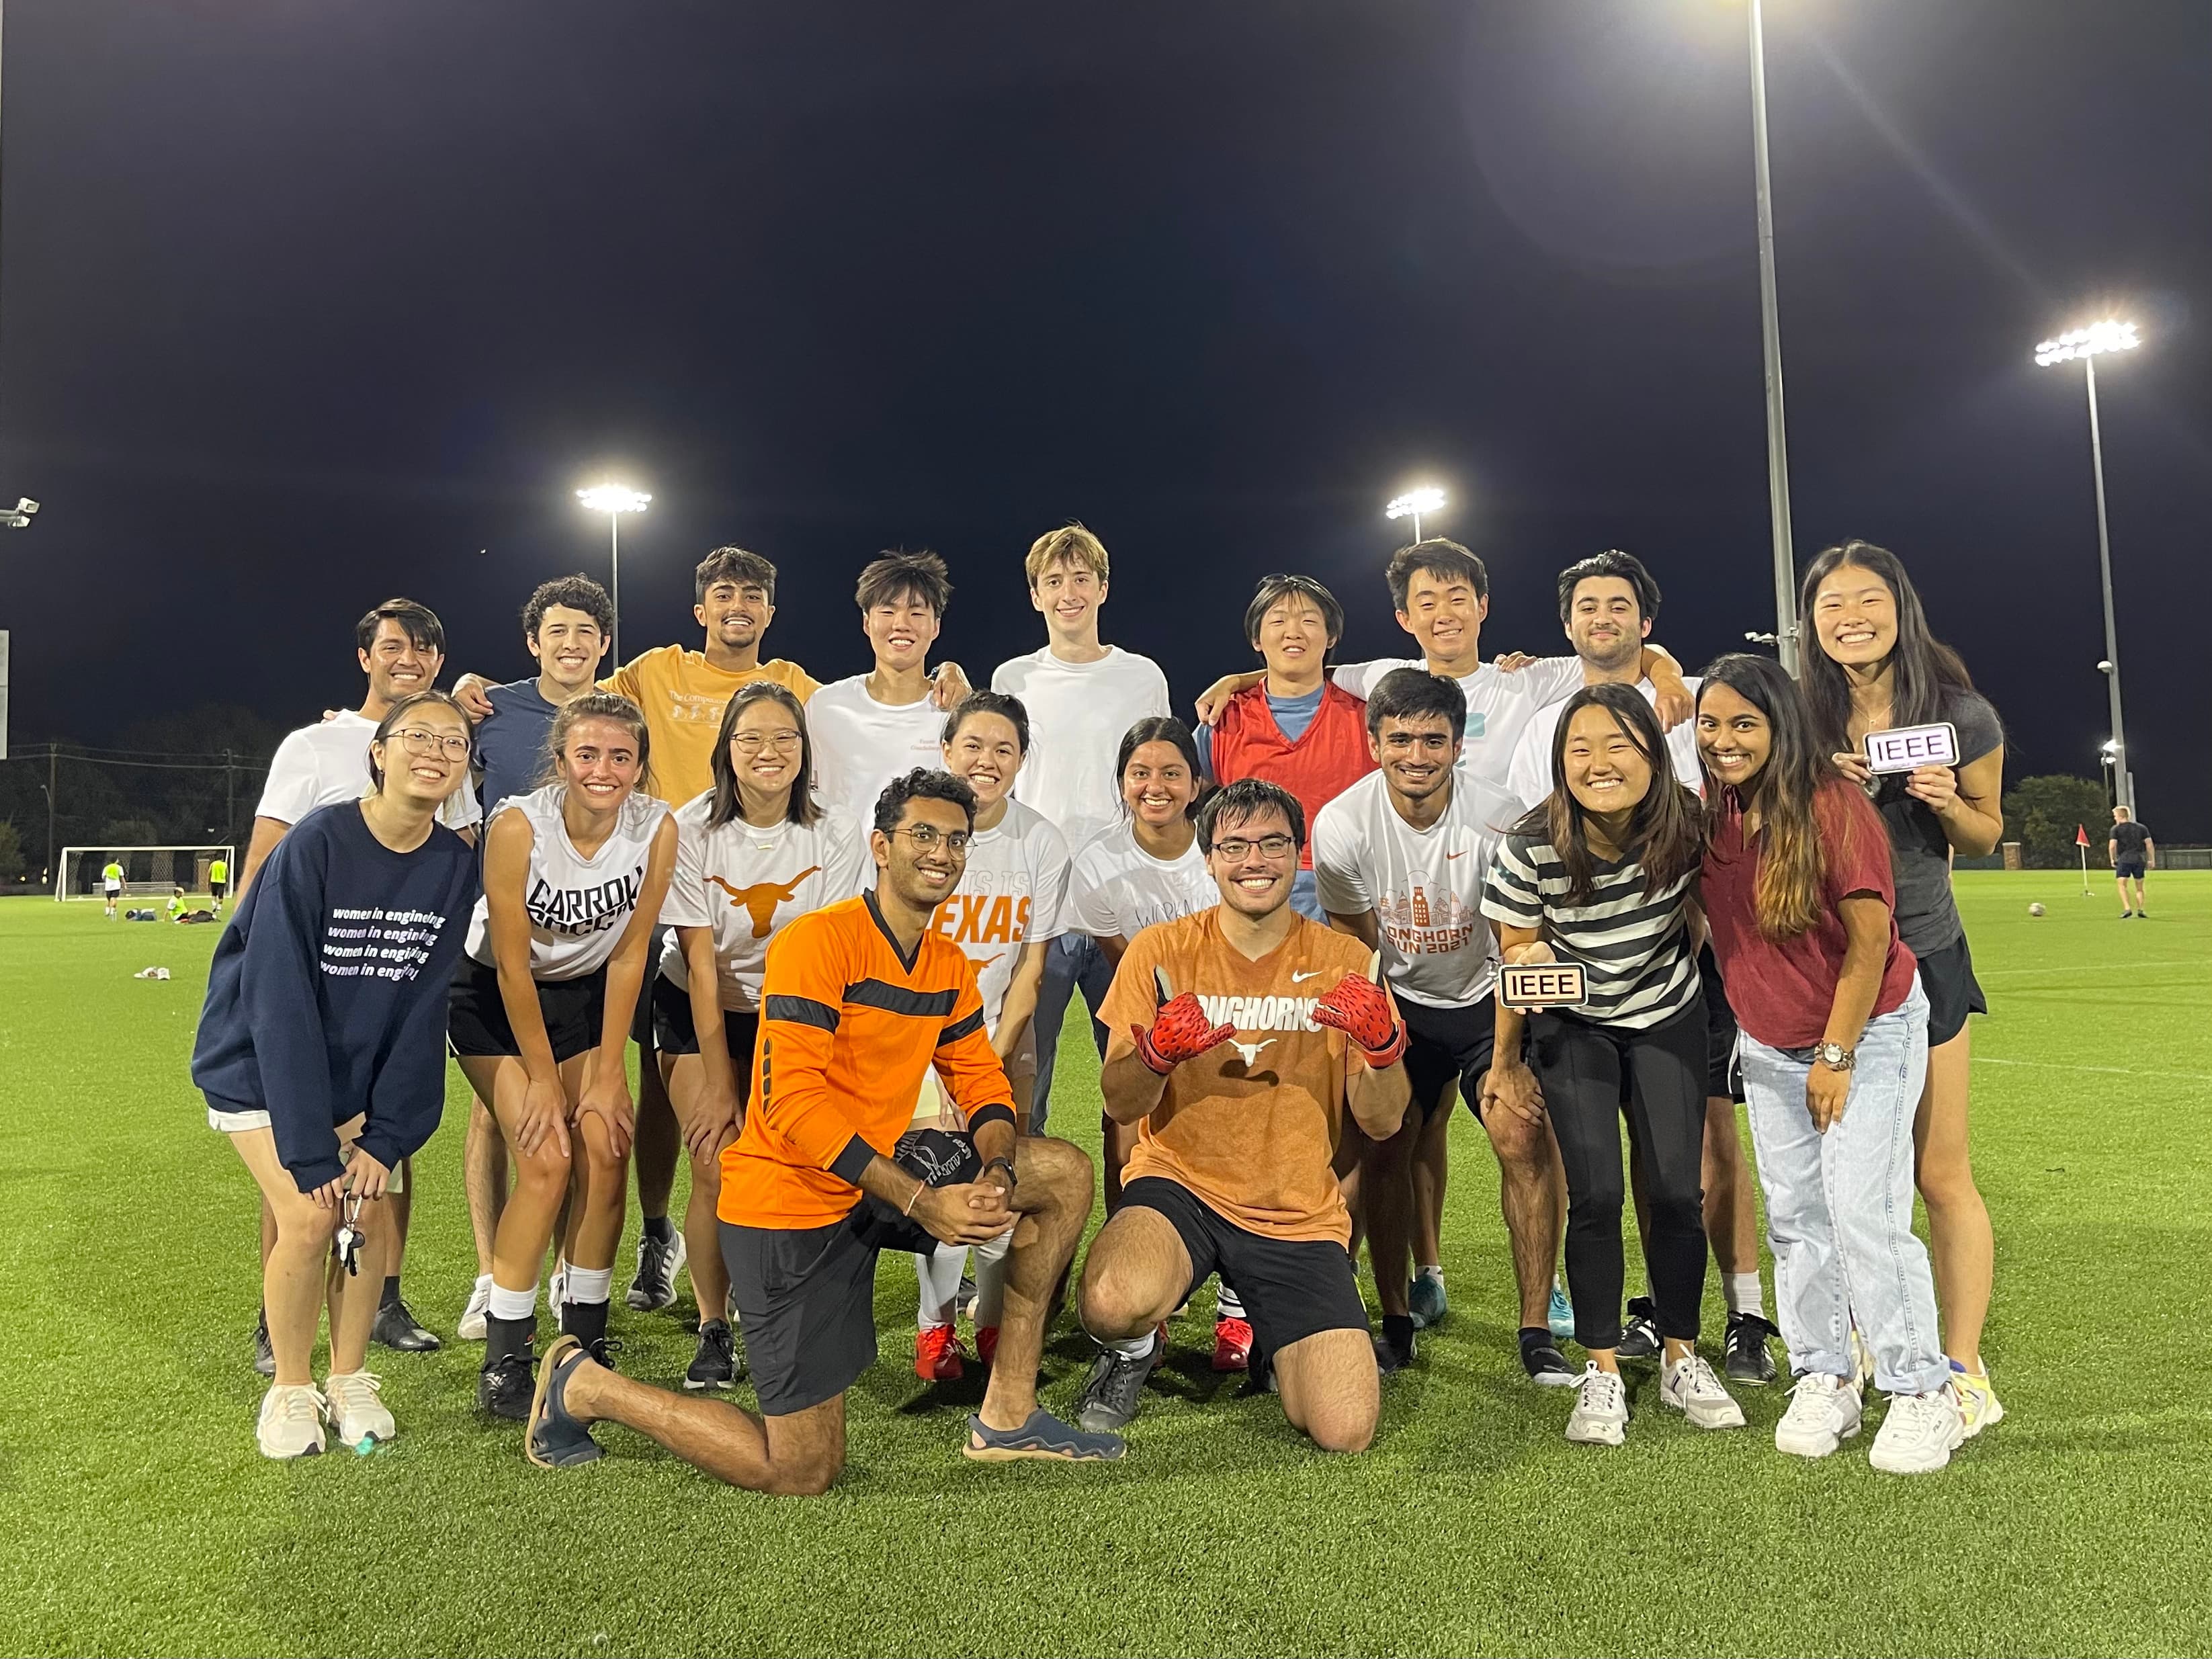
1014,892
327,762
861,744
745,882
1528,779
578,906
1424,886
1500,706
1078,714
1116,887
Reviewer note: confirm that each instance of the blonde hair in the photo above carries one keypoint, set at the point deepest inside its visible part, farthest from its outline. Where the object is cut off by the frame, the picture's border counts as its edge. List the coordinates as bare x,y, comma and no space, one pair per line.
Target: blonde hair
1071,544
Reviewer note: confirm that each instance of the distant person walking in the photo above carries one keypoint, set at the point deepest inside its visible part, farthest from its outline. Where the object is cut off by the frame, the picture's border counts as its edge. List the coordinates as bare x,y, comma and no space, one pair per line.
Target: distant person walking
2132,853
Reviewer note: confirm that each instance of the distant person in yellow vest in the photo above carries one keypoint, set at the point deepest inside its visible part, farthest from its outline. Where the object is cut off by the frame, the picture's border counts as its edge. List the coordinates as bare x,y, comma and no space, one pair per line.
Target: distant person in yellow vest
218,881
110,881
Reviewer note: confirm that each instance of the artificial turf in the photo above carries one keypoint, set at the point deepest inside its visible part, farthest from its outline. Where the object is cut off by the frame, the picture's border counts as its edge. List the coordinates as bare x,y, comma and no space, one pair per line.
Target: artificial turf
138,1516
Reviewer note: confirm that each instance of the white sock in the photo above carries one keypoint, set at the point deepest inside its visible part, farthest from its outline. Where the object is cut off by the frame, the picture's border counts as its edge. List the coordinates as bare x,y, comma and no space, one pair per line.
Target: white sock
1429,1270
513,1304
1227,1304
1135,1348
590,1284
1742,1293
940,1275
991,1282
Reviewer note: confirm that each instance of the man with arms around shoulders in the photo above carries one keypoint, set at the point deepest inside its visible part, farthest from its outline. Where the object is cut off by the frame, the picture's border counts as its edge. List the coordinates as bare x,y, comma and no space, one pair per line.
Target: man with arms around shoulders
881,725
2133,855
1242,1034
859,1001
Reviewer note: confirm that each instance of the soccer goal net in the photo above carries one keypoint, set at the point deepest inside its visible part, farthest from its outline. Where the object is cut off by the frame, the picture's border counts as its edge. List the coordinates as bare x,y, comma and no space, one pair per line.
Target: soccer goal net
154,873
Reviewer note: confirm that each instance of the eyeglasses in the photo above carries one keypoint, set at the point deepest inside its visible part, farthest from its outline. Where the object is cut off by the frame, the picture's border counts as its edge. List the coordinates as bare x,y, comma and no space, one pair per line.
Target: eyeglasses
417,741
1237,849
752,743
926,835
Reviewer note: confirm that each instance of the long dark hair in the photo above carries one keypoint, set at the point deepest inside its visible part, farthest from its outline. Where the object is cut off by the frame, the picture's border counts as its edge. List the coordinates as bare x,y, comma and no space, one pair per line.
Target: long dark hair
1922,668
1162,728
1662,830
1787,892
802,807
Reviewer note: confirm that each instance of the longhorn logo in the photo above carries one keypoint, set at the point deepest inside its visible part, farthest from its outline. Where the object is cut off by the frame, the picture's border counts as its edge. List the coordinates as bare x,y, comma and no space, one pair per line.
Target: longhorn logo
759,901
1250,1052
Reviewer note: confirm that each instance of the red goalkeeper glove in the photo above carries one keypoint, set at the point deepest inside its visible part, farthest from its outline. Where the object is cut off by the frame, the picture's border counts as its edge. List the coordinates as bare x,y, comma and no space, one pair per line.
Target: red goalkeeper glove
1181,1032
1359,1008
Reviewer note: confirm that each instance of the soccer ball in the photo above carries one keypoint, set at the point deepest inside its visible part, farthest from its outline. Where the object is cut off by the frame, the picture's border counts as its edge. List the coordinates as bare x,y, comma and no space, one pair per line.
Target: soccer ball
2035,909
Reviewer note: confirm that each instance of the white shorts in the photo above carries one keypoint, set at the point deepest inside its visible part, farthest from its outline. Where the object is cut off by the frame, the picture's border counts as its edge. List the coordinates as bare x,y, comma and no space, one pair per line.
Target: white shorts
232,1123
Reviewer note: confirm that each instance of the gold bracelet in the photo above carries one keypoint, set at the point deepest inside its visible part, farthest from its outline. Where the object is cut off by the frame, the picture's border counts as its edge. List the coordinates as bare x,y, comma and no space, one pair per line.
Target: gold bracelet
916,1199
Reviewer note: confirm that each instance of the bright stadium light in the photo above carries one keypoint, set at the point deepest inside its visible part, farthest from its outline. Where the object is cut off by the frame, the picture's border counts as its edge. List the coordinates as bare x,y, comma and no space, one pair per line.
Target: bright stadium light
1414,503
2087,344
614,500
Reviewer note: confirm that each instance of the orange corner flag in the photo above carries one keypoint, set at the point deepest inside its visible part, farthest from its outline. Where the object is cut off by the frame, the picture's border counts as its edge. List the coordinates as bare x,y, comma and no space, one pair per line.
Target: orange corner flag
2080,836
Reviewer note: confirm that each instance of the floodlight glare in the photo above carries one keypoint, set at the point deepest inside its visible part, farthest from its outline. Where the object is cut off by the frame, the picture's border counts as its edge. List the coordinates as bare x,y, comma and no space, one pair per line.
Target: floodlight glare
2110,335
613,498
1427,499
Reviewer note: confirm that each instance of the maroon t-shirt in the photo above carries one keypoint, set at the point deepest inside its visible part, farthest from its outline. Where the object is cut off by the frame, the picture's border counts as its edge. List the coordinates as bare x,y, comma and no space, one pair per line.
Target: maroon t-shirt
1782,990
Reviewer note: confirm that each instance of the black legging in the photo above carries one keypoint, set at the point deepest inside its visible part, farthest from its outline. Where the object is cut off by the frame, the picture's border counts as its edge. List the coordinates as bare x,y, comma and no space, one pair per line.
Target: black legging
1589,1074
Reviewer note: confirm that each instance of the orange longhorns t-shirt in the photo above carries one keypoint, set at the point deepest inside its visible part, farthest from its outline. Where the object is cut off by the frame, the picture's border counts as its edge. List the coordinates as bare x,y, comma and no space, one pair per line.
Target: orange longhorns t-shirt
1251,1127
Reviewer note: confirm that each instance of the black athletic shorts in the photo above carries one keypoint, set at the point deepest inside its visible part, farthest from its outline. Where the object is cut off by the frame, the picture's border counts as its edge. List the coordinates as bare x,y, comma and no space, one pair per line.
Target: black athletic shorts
215,890
475,1017
1947,977
1291,1289
1723,1075
1444,1046
641,1024
2128,869
675,1033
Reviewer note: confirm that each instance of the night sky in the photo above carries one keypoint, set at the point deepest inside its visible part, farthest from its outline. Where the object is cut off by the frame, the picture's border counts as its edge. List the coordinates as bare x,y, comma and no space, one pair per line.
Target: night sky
302,305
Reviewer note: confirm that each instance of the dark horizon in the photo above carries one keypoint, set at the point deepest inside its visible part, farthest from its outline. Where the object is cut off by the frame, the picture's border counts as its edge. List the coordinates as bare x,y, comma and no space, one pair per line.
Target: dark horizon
301,308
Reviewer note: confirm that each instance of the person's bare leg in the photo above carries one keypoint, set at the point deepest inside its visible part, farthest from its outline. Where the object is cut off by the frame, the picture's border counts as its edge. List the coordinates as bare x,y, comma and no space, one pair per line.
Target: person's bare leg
1387,1185
601,1177
796,1456
484,1178
1136,1270
292,1273
403,1212
1117,1140
1530,1182
1331,1392
1963,1249
1731,1212
657,1139
353,1297
1052,1190
1432,1166
702,1236
268,1228
541,1177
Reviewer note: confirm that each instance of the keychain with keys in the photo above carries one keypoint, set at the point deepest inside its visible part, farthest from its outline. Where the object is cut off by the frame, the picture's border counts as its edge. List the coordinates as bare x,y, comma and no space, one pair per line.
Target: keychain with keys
347,1244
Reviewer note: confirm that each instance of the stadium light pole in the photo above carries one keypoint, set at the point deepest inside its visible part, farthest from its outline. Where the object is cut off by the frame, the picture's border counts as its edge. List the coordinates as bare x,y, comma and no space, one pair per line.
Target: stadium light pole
2087,344
1413,503
614,500
1769,325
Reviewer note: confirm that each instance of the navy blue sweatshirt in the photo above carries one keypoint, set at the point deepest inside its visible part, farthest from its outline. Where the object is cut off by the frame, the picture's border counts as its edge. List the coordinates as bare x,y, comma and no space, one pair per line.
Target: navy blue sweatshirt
327,998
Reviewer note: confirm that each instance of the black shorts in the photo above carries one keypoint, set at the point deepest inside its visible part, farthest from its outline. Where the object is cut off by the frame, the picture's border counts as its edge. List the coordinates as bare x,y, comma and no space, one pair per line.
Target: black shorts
641,1026
1947,977
215,890
2129,868
1291,1289
807,1300
575,1010
1723,1074
674,1031
1446,1046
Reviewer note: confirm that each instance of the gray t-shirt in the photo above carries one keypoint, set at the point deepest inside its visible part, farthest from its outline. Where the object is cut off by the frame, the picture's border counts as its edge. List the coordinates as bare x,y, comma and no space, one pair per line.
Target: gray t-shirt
1920,857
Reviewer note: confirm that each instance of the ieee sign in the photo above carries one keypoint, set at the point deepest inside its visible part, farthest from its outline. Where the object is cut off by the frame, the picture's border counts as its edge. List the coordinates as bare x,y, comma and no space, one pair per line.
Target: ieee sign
1904,747
1543,985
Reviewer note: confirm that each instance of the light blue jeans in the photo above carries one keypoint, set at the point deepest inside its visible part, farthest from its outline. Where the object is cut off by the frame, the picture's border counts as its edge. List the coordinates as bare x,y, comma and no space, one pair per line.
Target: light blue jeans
1072,962
1840,1207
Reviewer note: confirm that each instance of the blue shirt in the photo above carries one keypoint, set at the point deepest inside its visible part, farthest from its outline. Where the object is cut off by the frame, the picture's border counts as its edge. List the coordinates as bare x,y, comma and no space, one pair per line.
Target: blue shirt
511,741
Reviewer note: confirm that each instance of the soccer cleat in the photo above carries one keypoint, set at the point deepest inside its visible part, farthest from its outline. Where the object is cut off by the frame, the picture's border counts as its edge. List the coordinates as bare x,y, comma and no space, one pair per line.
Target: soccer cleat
658,1262
937,1356
291,1421
1042,1436
1560,1314
1114,1389
471,1326
1824,1411
987,1343
556,1440
1918,1433
1689,1386
1978,1400
1639,1332
503,1387
1232,1345
1392,1356
1746,1359
1541,1357
1426,1301
715,1366
395,1327
1600,1414
264,1356
357,1408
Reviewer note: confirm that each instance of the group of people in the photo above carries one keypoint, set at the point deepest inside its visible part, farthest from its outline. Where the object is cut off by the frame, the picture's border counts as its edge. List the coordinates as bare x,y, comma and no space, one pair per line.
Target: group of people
842,923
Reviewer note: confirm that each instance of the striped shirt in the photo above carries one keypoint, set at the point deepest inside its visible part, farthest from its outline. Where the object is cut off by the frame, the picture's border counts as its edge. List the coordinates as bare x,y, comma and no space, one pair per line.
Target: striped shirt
1635,951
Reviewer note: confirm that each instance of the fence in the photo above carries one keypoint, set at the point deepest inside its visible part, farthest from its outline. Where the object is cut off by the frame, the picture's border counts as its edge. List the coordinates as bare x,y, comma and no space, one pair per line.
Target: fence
60,794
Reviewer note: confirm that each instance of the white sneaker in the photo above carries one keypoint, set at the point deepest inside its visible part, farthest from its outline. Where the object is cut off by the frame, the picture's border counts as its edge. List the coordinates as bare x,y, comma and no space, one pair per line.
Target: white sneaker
1600,1412
1823,1413
471,1327
1689,1386
291,1422
1918,1433
558,1291
357,1408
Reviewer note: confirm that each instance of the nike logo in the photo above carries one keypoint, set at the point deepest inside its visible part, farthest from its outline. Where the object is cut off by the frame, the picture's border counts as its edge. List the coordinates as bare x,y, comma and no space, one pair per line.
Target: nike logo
1460,854
1311,973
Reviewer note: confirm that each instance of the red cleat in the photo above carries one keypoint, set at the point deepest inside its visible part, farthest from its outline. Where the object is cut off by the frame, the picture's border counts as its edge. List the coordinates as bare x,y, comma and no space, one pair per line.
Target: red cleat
937,1356
987,1343
1232,1344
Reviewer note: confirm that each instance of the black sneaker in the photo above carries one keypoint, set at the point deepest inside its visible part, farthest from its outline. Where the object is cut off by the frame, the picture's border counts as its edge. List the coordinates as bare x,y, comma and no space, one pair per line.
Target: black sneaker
658,1259
504,1387
1748,1360
1541,1357
716,1365
264,1356
1639,1335
395,1327
1394,1348
601,1351
1111,1393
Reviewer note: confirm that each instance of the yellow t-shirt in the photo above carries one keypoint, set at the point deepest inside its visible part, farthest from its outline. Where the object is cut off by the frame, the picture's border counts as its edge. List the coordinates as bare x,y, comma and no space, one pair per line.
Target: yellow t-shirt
683,697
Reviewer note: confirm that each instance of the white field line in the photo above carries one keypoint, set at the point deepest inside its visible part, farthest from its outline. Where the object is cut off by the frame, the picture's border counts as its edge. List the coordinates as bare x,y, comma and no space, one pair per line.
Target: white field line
2110,1071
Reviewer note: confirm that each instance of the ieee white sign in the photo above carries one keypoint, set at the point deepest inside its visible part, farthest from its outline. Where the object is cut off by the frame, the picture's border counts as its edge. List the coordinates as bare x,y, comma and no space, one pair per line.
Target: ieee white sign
1904,747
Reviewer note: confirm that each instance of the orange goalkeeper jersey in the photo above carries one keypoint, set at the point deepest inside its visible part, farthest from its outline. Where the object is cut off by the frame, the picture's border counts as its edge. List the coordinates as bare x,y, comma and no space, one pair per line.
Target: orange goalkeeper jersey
849,1028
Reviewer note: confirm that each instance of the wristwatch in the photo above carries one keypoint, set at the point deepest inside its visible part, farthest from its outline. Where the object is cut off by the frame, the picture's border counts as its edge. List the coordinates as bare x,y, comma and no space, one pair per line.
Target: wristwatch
1007,1164
1835,1056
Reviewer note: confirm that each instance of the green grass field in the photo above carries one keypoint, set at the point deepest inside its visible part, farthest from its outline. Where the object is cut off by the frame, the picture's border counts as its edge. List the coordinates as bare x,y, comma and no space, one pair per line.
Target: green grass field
140,1519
